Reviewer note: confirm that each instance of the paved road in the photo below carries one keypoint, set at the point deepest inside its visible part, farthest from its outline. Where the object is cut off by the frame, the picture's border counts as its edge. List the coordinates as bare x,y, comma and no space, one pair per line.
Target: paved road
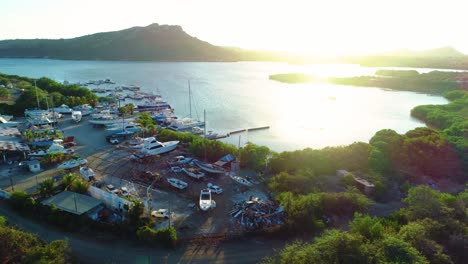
98,250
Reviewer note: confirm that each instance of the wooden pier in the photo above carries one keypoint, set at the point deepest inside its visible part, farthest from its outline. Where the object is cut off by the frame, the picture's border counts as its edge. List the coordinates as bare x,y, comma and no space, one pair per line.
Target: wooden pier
248,129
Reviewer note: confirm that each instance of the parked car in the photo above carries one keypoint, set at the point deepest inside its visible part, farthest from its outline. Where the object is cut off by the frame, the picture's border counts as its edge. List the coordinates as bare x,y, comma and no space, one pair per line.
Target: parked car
215,188
161,213
114,141
124,191
111,188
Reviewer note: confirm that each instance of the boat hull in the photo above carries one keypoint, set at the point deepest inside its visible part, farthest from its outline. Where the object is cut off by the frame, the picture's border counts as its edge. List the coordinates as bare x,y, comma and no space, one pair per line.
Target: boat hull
209,169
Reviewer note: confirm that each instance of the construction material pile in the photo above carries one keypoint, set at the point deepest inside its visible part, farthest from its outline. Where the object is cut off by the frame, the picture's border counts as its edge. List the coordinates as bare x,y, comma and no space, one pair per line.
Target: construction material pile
257,214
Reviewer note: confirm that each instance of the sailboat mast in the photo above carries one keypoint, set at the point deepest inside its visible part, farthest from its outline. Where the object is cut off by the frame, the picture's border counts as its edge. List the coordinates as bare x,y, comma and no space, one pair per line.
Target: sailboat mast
204,121
37,98
190,98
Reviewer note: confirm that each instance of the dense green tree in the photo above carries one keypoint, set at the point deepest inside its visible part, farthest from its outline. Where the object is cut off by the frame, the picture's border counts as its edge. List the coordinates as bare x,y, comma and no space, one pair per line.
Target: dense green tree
396,250
79,186
425,202
135,212
254,156
46,188
68,180
20,247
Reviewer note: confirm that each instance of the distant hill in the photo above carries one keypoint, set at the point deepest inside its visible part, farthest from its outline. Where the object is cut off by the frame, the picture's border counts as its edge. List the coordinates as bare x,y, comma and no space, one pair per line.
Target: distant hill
152,43
443,58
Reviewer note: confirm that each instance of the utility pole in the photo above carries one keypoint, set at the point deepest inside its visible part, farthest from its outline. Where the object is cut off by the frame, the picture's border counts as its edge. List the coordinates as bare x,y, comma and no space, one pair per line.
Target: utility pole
11,180
190,98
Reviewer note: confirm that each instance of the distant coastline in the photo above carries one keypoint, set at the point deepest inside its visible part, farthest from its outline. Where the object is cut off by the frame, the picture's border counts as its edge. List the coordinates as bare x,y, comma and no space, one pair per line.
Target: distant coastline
435,82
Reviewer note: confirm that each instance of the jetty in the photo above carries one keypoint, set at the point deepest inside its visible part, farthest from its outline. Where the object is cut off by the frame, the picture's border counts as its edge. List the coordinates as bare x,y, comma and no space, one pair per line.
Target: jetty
249,129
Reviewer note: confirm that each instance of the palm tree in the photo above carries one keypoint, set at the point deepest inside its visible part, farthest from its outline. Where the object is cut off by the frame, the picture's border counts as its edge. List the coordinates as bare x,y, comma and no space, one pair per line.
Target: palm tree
68,179
46,188
79,186
130,107
147,123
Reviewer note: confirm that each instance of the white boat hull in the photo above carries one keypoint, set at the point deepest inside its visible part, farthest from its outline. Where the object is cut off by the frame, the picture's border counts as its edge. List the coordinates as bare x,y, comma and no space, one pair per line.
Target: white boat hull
168,146
193,173
209,168
72,164
177,183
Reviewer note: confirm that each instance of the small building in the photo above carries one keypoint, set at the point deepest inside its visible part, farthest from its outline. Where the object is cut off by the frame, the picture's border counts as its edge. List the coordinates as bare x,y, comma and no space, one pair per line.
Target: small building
11,144
72,202
341,173
34,166
364,185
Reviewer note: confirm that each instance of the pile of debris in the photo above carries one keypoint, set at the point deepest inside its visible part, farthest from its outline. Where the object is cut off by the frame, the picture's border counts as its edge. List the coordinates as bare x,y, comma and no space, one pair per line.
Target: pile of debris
257,214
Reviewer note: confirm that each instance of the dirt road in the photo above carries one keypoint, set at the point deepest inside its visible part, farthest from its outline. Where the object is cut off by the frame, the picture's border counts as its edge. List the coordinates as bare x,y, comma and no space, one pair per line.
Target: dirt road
97,250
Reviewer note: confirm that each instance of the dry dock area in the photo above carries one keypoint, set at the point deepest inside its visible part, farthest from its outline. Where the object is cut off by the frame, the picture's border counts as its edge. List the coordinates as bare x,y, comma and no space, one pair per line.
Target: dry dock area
113,165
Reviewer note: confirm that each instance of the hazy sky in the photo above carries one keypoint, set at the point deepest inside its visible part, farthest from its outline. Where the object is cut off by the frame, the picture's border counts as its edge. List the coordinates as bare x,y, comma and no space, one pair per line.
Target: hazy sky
320,27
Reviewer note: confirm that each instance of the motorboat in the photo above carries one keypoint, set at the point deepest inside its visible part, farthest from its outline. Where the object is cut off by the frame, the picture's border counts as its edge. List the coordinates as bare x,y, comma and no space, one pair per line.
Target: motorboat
241,180
85,109
76,116
206,203
35,112
177,183
183,160
54,148
45,141
156,104
211,168
106,118
63,109
131,88
40,120
197,130
194,172
72,163
153,147
87,173
8,123
129,128
185,124
6,117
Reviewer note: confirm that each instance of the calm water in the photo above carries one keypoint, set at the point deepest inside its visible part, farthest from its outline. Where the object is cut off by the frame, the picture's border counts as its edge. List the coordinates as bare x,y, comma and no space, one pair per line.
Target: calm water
239,95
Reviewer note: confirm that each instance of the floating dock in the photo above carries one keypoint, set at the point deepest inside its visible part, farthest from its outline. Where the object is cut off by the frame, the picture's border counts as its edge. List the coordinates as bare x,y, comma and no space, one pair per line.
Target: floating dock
248,129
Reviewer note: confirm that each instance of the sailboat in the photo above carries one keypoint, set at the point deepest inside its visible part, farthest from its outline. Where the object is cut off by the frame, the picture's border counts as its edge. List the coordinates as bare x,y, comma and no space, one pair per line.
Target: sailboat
187,123
37,116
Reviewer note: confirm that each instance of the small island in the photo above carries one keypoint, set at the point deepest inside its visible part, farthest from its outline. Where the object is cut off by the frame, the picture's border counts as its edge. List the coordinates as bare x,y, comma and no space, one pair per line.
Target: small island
434,82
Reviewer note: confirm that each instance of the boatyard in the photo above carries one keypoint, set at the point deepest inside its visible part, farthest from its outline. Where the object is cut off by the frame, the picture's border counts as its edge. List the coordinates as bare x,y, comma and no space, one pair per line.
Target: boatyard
149,179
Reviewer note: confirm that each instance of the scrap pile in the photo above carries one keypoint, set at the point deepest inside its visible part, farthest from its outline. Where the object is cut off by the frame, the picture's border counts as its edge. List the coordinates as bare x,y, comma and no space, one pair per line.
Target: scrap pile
257,214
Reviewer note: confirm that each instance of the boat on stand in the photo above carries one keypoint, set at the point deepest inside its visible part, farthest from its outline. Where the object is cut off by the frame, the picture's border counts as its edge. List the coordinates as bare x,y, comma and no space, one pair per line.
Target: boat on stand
76,116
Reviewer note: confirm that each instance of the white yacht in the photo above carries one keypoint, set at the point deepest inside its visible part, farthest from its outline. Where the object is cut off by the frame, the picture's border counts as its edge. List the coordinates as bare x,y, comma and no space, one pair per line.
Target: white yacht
75,162
63,109
120,128
87,173
206,203
85,109
54,148
185,124
153,147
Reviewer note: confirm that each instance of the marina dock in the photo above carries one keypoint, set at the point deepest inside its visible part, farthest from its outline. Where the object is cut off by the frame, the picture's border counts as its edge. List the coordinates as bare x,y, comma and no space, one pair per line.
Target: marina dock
249,129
